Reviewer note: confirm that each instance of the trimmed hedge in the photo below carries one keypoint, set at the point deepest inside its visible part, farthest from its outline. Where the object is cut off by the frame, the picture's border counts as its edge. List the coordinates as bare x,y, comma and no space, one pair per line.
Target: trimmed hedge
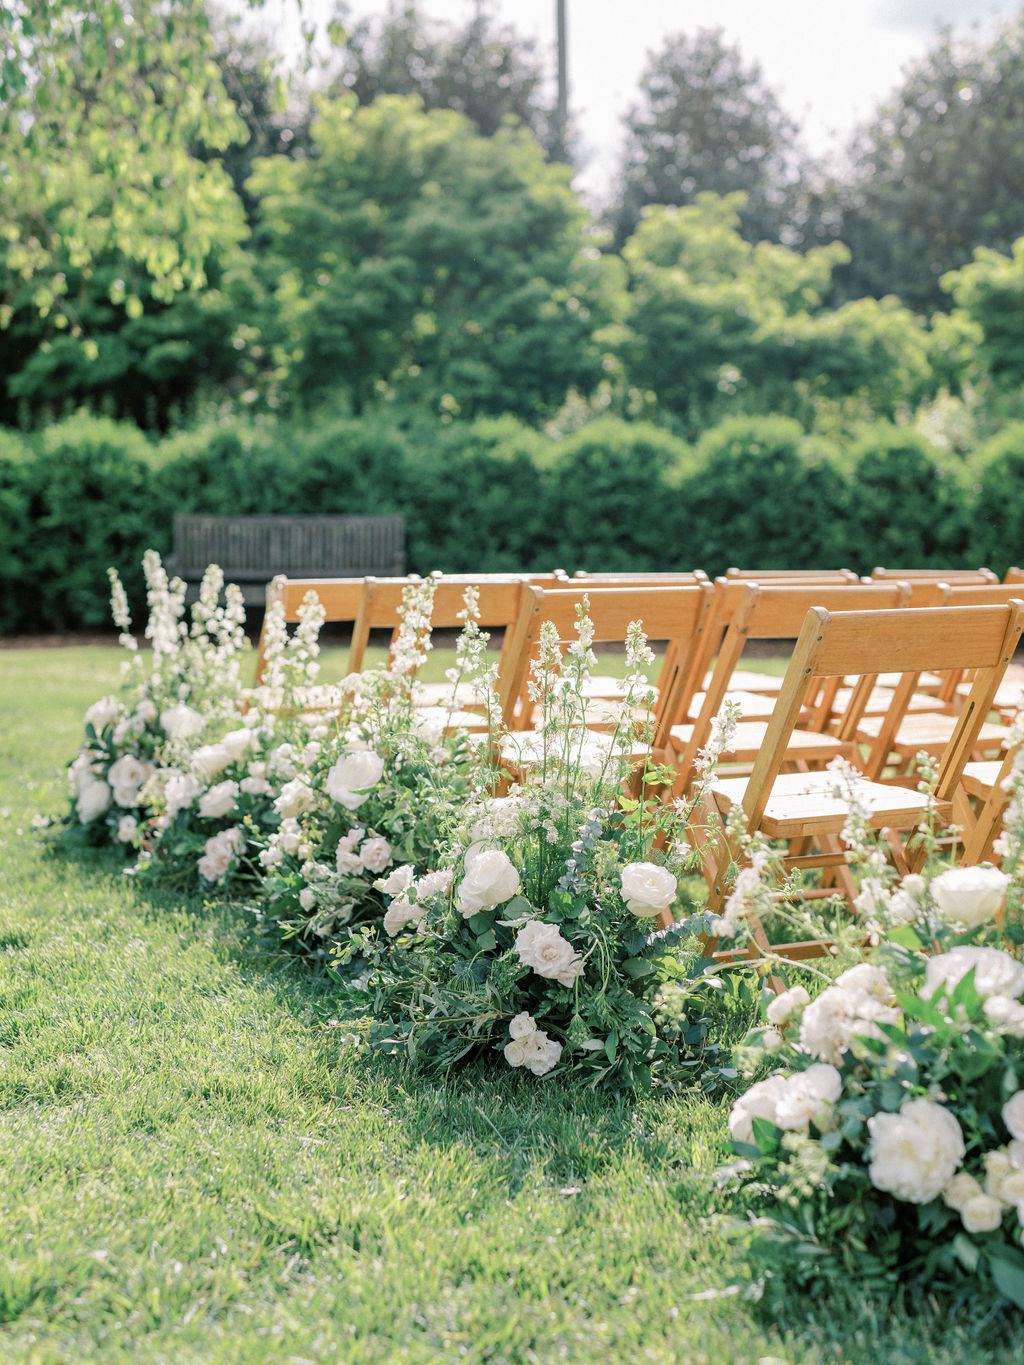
497,495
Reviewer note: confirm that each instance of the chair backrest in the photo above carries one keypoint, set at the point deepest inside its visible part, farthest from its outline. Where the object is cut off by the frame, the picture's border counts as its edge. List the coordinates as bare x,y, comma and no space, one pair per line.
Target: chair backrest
498,601
675,613
981,575
795,575
1014,575
653,579
775,611
339,597
909,642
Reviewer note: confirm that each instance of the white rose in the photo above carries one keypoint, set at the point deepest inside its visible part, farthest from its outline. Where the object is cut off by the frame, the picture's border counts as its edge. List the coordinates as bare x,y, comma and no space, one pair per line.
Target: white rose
403,911
1006,1015
531,1047
542,947
759,1102
522,1026
998,1168
221,851
289,835
145,712
375,854
180,790
489,879
1013,1115
962,1188
398,881
785,1005
969,896
808,1096
293,799
93,800
913,1154
237,743
867,978
434,884
254,786
181,721
127,828
981,1213
219,800
127,774
995,972
350,779
272,856
648,889
1015,1151
210,759
307,898
349,862
102,713
831,1023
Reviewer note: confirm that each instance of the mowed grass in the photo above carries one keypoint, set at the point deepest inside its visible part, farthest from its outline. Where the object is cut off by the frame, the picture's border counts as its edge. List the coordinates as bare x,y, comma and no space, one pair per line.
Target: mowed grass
195,1168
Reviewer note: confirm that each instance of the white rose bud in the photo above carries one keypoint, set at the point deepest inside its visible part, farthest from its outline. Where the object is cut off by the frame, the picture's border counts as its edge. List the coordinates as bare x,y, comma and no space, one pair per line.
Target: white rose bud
969,896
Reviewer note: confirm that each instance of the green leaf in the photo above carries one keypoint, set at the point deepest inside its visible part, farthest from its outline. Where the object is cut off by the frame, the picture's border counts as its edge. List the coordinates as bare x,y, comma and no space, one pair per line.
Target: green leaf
966,1252
1009,1277
906,937
611,1044
637,967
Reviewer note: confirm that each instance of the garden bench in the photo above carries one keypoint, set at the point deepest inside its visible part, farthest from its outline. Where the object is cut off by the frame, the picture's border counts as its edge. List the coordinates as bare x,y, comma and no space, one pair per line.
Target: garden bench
253,550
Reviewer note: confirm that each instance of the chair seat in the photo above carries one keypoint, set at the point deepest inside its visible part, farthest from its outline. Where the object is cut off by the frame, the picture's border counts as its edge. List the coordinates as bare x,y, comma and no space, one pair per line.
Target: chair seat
466,695
748,737
748,680
981,776
803,803
929,731
881,699
752,705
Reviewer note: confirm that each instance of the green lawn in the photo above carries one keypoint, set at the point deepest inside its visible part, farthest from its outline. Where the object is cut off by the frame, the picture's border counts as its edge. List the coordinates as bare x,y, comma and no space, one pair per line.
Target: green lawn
195,1169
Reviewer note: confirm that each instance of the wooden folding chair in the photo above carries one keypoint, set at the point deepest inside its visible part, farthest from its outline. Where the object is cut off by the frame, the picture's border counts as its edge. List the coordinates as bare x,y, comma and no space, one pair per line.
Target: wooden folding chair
1014,575
773,611
804,807
676,614
795,575
981,575
979,804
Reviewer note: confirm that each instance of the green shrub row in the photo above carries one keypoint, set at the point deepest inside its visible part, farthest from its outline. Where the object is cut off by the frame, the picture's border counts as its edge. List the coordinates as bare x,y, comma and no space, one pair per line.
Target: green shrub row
494,495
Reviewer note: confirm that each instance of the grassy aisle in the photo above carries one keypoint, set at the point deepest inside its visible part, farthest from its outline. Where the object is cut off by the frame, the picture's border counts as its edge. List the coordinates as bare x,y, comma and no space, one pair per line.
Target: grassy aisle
195,1170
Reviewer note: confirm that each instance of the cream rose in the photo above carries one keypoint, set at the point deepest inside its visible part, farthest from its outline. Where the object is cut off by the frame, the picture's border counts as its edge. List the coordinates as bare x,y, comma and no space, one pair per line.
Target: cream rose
969,896
398,881
219,800
784,1006
542,947
93,800
995,972
209,760
981,1213
293,799
530,1046
914,1154
375,854
489,879
759,1102
350,779
1013,1115
647,889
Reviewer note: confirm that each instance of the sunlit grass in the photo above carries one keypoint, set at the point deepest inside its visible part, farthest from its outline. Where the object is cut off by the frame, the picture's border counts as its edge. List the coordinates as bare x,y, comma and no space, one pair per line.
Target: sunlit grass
197,1169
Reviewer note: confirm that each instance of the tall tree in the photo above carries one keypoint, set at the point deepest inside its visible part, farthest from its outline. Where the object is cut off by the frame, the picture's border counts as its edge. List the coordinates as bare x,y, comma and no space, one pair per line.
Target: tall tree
412,258
938,172
706,121
485,70
100,105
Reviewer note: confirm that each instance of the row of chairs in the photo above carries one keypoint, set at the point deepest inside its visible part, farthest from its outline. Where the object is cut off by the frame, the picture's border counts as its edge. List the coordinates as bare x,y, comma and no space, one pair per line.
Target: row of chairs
881,669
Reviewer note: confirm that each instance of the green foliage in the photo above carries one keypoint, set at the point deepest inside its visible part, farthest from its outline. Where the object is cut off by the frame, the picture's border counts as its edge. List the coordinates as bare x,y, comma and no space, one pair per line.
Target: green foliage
414,259
705,121
937,173
16,543
997,475
990,291
906,504
92,501
758,494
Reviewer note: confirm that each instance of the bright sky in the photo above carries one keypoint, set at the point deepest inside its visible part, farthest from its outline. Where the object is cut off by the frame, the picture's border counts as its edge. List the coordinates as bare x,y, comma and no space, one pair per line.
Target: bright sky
829,61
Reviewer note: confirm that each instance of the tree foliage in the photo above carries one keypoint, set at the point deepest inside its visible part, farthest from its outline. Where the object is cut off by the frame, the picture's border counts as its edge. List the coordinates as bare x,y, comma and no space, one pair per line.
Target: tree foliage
938,172
99,108
413,259
705,121
482,69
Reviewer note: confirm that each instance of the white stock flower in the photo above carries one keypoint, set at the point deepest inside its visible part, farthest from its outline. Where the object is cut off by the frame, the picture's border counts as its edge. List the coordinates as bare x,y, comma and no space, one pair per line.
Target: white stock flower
181,721
489,879
783,1006
542,947
93,800
914,1154
1013,1115
219,800
995,972
102,713
530,1046
375,854
759,1102
349,781
969,896
647,889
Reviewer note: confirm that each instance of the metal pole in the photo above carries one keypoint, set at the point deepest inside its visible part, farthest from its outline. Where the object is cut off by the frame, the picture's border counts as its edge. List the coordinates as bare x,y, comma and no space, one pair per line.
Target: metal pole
561,150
